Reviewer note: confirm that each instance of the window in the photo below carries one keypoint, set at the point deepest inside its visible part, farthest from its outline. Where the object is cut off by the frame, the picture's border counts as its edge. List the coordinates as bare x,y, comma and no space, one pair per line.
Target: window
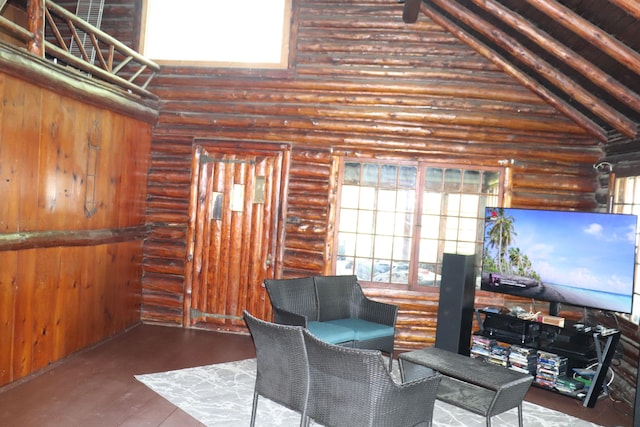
396,220
250,33
626,199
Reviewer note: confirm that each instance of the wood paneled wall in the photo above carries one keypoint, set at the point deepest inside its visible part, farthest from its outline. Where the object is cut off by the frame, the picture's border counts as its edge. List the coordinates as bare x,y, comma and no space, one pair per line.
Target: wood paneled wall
73,184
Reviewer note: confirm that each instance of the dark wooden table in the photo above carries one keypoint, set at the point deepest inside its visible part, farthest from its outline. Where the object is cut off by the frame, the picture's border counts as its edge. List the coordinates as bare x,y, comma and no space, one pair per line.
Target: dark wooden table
472,384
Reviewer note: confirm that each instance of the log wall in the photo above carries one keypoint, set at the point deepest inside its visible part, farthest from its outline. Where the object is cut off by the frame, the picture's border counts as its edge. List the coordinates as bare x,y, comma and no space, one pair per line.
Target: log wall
73,184
361,83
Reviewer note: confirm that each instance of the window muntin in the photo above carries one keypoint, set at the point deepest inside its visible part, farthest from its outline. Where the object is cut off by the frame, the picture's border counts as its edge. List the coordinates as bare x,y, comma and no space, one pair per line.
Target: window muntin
626,200
250,34
396,220
377,218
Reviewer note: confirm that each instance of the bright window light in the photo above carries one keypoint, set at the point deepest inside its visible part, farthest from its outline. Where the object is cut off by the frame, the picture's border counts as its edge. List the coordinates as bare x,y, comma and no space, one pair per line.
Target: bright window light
227,33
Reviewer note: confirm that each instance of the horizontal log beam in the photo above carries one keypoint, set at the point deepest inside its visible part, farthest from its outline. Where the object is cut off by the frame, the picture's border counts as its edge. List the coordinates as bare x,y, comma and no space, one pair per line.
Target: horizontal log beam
256,101
64,238
56,78
15,30
154,265
468,143
387,121
196,88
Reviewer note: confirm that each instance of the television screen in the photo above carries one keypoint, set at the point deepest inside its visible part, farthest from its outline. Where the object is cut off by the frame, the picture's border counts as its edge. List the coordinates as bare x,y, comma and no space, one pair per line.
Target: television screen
578,258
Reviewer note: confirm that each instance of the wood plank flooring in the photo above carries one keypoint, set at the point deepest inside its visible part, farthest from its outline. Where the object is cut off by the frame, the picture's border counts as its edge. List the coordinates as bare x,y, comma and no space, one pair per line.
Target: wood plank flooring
95,387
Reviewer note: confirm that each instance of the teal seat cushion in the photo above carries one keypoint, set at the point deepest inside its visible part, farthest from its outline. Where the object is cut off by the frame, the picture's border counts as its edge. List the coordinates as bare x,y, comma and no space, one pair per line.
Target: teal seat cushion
330,332
364,330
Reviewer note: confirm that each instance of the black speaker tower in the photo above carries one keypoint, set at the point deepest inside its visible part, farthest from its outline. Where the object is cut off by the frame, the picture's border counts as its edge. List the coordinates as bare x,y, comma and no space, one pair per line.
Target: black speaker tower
455,309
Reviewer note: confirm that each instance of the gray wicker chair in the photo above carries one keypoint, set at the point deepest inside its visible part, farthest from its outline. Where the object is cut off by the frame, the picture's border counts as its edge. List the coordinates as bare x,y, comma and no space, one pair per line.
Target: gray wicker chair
334,290
282,367
351,387
293,301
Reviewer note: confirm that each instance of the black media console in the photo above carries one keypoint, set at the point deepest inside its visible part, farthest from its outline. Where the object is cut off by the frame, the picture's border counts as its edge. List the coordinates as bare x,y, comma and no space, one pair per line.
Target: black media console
576,350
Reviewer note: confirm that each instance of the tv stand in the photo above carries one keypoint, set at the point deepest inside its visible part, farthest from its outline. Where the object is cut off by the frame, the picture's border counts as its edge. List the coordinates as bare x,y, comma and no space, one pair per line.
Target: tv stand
582,346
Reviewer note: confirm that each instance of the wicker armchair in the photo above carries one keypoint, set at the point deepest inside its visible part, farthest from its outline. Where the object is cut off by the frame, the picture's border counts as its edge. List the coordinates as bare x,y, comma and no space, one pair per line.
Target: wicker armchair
282,367
333,291
351,387
334,309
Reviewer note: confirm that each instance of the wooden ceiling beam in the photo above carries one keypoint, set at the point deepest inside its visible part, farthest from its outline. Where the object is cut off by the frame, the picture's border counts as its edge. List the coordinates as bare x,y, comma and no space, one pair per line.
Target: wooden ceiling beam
590,32
560,51
632,7
573,114
558,79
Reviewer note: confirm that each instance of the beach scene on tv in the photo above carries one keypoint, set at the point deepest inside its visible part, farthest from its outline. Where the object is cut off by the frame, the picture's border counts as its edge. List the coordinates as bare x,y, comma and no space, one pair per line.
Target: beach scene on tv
578,258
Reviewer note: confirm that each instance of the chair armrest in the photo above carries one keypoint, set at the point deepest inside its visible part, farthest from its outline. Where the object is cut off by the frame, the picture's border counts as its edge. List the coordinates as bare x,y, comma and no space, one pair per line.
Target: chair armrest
429,382
416,398
285,317
378,312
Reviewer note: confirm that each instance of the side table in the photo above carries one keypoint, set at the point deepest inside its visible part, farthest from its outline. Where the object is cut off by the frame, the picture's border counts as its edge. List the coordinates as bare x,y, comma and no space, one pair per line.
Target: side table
471,384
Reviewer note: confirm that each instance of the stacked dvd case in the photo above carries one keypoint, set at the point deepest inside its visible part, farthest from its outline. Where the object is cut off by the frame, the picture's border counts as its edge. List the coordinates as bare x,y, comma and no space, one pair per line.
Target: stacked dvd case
499,354
481,347
550,367
523,359
568,385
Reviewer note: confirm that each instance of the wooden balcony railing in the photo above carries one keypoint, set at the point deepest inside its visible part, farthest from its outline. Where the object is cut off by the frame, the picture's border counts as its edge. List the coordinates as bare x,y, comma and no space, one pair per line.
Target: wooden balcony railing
49,32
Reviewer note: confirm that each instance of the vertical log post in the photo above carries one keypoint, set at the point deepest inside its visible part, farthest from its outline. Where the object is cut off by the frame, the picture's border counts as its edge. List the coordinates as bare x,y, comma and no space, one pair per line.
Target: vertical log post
35,24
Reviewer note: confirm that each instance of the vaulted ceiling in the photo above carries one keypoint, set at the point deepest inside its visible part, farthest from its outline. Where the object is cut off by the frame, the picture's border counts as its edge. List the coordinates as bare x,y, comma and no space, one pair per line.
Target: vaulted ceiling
582,56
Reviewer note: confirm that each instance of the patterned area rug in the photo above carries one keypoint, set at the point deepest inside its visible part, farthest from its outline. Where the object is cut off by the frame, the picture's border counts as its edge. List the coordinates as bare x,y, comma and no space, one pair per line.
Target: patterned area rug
220,395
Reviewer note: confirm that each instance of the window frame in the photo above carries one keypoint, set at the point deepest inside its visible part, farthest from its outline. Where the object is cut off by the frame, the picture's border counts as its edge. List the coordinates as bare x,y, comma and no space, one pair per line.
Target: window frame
286,49
420,189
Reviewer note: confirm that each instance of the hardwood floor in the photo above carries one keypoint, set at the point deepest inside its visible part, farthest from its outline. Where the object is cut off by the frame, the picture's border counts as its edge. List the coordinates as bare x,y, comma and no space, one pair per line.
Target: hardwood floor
96,387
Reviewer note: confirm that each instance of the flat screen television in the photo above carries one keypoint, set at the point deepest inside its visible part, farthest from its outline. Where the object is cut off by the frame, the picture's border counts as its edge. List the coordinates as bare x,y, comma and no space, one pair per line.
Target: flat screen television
562,257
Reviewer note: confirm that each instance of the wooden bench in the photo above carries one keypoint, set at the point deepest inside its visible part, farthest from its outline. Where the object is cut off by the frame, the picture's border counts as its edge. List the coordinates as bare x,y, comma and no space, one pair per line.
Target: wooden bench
471,384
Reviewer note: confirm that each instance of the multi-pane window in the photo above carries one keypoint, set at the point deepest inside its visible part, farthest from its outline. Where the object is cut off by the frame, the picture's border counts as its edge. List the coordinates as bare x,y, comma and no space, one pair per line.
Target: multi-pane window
396,220
626,200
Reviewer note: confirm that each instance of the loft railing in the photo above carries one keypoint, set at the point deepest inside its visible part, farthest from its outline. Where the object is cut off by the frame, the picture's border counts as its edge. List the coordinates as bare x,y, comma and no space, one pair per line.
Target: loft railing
48,34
